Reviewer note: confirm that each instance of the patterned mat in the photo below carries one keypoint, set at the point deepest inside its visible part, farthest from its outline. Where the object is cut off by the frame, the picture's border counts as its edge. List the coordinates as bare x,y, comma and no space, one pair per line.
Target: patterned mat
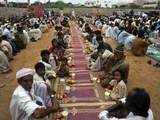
83,92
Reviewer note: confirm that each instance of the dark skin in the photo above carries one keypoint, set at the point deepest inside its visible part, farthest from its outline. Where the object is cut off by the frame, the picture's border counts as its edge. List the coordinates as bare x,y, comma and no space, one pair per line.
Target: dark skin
45,58
26,82
112,61
41,71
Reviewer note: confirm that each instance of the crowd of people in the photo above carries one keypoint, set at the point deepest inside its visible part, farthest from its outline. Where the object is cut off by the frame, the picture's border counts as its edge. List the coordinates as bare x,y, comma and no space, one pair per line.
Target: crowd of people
16,34
35,95
111,67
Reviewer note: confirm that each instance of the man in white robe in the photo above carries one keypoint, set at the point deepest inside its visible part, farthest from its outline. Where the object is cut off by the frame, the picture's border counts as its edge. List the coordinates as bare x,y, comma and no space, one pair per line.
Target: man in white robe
6,48
41,85
24,104
4,64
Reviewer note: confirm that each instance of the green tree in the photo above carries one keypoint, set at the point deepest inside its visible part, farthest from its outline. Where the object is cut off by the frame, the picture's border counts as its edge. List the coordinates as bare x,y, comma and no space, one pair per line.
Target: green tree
60,4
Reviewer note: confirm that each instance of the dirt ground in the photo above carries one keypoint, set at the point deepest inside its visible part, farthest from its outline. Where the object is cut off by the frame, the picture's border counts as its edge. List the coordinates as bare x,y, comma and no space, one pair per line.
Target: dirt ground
26,58
141,74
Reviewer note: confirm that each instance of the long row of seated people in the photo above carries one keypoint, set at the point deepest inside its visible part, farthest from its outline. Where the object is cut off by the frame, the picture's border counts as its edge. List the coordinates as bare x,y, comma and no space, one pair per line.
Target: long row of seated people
35,98
112,71
15,36
127,30
110,65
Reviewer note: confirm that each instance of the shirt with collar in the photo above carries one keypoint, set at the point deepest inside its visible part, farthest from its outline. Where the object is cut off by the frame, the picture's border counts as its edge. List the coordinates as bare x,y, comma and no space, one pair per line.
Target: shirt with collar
23,104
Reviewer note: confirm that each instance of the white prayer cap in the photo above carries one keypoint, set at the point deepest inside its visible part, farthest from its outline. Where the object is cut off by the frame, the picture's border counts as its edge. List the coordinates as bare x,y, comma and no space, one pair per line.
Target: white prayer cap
107,54
24,72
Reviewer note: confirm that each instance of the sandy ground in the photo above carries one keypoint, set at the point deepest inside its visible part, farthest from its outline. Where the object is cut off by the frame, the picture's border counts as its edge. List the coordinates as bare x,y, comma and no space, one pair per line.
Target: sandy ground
141,74
26,58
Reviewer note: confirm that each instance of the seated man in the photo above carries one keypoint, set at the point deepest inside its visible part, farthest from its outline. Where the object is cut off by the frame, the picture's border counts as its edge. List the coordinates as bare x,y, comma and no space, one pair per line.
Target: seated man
4,64
109,63
10,38
42,84
20,39
109,31
102,46
57,50
60,40
6,47
35,33
126,39
24,104
45,60
43,27
135,107
63,70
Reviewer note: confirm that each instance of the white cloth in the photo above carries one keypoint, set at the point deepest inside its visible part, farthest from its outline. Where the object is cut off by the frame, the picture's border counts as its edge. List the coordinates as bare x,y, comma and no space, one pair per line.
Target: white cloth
126,38
104,116
37,78
96,66
53,62
4,64
43,27
40,89
33,21
26,36
98,24
7,33
48,67
107,54
109,32
104,28
6,46
24,72
119,91
73,14
35,33
22,106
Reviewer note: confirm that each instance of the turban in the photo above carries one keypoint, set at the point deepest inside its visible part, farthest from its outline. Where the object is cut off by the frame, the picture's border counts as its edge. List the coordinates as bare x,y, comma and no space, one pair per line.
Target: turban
24,72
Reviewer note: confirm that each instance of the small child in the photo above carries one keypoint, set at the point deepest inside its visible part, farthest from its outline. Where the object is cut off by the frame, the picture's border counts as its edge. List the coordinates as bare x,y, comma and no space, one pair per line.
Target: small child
117,88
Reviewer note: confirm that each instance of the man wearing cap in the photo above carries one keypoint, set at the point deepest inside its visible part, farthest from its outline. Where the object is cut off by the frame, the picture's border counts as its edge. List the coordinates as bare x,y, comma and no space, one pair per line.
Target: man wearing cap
109,62
24,104
9,37
116,62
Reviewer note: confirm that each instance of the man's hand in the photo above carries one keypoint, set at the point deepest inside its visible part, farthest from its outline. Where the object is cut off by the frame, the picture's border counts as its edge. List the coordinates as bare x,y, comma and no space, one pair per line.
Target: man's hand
55,105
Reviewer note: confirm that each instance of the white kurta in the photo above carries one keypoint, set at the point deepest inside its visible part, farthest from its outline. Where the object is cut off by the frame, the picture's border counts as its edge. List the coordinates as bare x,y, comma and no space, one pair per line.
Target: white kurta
4,64
35,33
26,36
6,46
104,116
40,89
22,106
